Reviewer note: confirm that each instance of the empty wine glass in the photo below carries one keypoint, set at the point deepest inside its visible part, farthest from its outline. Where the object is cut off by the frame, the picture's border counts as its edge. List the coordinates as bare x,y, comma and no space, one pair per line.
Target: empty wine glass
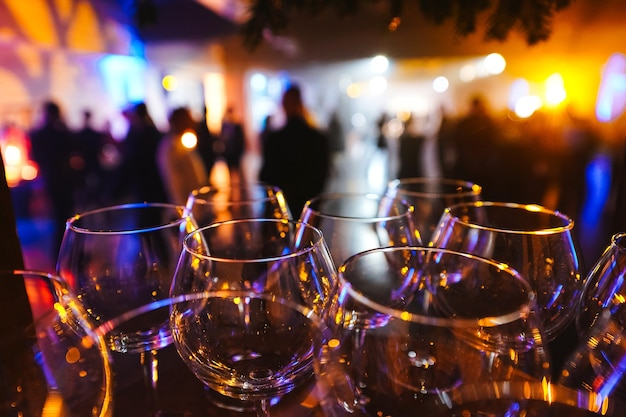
598,364
354,222
429,196
411,326
536,242
54,364
280,258
121,257
211,204
605,285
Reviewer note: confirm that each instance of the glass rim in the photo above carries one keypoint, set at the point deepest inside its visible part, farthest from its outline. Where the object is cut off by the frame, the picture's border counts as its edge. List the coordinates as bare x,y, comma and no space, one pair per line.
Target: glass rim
69,301
616,240
183,217
453,322
568,222
367,196
468,188
318,241
200,195
111,324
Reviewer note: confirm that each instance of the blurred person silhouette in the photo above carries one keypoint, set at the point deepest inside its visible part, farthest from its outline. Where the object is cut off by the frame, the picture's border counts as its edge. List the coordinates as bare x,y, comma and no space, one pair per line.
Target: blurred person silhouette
411,143
54,149
233,138
206,143
446,151
381,137
296,157
138,176
266,129
475,142
90,143
181,167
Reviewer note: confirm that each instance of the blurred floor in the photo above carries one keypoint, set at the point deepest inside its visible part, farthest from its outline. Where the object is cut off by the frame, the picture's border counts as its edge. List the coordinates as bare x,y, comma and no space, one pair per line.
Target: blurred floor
361,168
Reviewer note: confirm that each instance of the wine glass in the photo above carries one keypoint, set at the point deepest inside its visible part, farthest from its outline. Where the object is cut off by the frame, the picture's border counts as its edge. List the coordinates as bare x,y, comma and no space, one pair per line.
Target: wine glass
429,196
537,242
598,364
121,257
605,285
210,204
436,321
52,363
281,258
354,222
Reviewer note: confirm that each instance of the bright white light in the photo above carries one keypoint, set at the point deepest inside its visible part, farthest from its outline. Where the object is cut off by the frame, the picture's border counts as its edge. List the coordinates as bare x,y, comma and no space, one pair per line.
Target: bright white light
378,84
358,120
440,84
189,140
12,155
379,64
467,73
555,90
527,105
495,63
258,82
519,89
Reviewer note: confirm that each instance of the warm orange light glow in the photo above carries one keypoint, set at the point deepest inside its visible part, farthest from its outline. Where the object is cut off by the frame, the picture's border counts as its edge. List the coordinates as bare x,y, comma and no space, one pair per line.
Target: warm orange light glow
354,90
84,30
29,172
35,19
214,99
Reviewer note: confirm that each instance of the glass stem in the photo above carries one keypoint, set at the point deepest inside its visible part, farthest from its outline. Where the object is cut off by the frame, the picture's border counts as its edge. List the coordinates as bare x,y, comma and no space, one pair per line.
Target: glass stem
263,408
149,363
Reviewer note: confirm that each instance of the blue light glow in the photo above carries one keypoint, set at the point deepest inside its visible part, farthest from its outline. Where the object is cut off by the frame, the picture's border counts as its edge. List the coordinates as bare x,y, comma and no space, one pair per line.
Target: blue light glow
124,78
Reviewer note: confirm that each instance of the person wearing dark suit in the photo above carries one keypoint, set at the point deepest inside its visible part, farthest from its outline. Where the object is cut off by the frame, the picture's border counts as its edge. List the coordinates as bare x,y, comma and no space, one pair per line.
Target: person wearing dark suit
296,157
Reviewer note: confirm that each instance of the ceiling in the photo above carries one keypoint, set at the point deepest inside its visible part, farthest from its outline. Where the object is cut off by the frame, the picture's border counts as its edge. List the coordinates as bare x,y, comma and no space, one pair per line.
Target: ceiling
158,21
586,26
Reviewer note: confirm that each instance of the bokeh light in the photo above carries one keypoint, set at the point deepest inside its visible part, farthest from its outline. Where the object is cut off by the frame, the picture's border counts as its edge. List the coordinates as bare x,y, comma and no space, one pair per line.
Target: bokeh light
441,84
169,82
495,63
189,140
258,82
378,84
467,73
379,64
354,90
527,106
555,90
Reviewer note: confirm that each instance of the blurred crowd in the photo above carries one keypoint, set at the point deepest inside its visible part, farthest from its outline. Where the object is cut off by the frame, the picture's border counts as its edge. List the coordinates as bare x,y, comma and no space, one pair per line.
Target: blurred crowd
83,169
554,159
